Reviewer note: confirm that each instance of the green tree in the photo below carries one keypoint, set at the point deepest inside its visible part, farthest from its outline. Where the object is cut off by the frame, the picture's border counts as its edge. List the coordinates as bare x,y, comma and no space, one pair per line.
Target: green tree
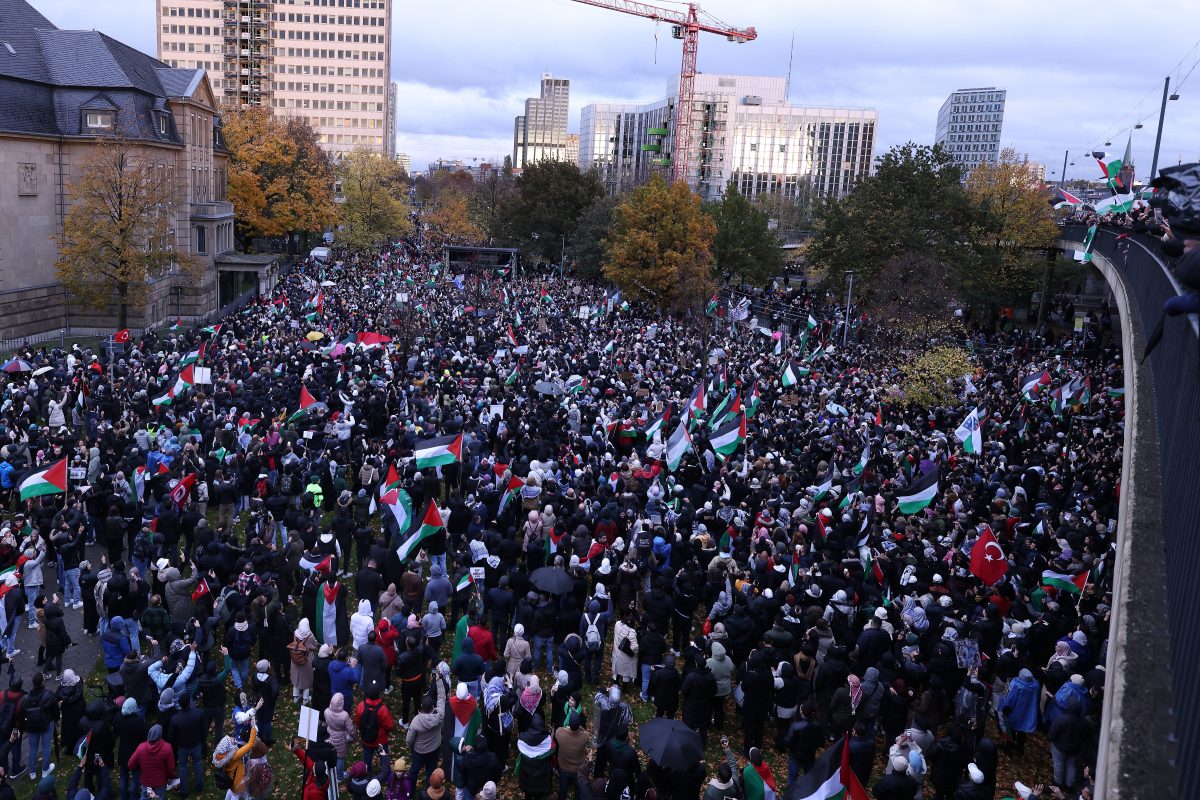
119,234
493,194
913,205
590,232
1016,223
375,209
745,248
549,199
660,246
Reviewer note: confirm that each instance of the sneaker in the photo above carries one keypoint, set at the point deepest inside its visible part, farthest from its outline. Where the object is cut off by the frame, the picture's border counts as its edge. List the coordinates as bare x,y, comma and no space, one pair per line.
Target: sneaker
14,653
77,604
33,626
18,773
47,770
171,784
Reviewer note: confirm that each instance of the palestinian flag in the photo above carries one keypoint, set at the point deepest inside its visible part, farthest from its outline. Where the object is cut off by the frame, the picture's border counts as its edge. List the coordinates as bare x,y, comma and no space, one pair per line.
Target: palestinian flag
400,504
545,297
699,402
1062,197
464,582
1031,385
830,778
1065,583
713,305
729,437
811,323
247,425
1085,391
213,330
539,750
177,326
439,452
758,785
317,302
1085,255
752,402
460,635
970,432
722,408
431,524
862,460
871,567
306,400
514,488
608,348
552,540
596,549
1110,165
678,446
467,721
327,612
920,493
184,380
656,424
792,374
513,376
575,384
195,355
51,480
368,340
392,481
826,484
512,337
1117,204
852,488
137,486
1118,392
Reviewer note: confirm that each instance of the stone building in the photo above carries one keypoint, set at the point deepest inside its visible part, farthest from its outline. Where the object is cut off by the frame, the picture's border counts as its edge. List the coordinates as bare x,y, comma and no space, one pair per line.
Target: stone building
62,92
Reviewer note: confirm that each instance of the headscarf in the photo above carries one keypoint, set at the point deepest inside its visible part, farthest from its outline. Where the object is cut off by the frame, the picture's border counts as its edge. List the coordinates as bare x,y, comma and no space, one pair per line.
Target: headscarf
303,630
532,695
492,693
856,693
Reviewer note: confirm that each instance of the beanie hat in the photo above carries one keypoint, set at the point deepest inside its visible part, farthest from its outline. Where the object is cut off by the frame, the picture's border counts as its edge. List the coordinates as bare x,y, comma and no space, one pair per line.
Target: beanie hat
975,772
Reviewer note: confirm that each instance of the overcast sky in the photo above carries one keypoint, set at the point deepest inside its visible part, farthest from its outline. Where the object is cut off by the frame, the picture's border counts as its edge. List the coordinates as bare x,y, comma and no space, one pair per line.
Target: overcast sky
1077,74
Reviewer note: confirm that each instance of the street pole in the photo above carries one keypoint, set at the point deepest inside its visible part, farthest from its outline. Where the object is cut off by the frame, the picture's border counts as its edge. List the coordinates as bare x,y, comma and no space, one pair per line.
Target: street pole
1162,114
846,321
1063,177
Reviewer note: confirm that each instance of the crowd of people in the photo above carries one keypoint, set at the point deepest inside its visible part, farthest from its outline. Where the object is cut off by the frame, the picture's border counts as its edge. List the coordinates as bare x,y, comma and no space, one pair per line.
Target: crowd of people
478,535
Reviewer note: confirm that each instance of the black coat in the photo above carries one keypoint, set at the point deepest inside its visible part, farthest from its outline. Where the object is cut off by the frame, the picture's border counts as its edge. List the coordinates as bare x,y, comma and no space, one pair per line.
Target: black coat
665,683
698,690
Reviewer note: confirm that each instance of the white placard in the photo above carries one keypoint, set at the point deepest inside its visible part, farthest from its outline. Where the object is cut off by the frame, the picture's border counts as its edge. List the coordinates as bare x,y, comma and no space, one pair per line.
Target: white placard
470,340
202,375
496,409
479,574
310,722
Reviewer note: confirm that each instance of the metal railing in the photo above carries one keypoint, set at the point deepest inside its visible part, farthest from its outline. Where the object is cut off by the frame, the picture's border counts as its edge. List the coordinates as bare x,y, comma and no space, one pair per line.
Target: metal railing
1159,736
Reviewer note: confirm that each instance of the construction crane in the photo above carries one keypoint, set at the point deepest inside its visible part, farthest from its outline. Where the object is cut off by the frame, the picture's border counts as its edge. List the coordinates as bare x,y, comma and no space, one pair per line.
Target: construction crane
686,26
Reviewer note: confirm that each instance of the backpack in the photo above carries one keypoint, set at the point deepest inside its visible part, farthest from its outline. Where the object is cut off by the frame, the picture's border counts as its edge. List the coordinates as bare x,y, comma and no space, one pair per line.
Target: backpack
36,718
221,778
285,483
368,723
298,653
8,714
592,635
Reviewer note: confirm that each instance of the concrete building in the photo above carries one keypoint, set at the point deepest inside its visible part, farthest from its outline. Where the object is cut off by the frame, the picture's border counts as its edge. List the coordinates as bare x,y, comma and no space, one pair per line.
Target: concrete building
327,61
541,132
389,132
64,91
744,130
969,126
405,162
573,148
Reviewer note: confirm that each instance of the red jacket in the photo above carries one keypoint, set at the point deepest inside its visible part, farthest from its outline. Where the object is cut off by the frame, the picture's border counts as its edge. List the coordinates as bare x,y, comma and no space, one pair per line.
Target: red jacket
312,791
156,761
386,723
485,643
386,636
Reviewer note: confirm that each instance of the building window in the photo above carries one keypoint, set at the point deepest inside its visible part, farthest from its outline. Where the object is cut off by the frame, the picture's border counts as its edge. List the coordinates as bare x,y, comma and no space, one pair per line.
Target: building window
99,120
201,240
162,124
753,147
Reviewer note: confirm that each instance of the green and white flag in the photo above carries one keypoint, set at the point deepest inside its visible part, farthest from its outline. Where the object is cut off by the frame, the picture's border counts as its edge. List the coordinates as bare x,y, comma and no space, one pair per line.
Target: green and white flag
823,488
970,432
51,480
678,446
920,493
863,459
439,452
1117,204
792,374
1085,255
1065,583
726,439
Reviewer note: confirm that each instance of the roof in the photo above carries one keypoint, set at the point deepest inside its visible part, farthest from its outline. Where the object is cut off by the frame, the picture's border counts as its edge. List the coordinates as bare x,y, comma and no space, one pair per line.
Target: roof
246,260
53,75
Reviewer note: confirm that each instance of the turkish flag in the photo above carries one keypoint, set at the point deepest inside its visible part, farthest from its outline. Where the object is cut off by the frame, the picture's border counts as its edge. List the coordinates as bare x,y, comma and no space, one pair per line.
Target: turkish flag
988,562
182,490
122,336
200,590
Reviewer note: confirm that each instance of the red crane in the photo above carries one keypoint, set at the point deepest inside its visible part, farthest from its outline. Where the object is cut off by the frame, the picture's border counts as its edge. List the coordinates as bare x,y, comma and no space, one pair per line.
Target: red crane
686,26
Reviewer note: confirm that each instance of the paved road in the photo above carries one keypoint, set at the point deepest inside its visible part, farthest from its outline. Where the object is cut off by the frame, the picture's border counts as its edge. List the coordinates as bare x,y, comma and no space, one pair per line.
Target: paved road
80,657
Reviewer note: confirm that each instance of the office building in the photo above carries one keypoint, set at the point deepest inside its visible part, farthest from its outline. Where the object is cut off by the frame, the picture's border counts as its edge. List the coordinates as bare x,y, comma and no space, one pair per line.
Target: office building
573,148
389,125
63,92
969,126
405,162
541,132
744,130
327,61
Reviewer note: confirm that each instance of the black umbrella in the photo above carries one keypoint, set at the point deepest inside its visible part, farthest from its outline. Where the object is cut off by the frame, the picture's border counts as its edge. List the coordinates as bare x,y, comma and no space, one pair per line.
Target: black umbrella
552,580
670,744
548,387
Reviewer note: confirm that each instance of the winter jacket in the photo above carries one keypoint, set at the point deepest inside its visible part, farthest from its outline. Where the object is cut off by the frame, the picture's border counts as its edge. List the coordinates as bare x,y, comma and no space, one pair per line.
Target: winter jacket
361,623
425,731
386,723
156,762
722,669
343,677
115,643
342,729
698,690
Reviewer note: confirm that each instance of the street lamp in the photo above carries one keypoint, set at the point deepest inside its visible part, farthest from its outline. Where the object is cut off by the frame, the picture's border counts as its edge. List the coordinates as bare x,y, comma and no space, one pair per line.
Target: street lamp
1162,114
846,321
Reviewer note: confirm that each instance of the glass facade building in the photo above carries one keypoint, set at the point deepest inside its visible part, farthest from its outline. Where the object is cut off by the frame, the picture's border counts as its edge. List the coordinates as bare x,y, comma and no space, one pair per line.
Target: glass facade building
744,130
969,126
541,132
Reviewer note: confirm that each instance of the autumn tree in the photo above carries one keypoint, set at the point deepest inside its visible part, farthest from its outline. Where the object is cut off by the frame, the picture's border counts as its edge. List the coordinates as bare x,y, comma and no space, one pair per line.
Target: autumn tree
660,246
929,379
1016,222
542,213
450,219
914,293
375,208
118,233
280,179
914,205
745,248
590,233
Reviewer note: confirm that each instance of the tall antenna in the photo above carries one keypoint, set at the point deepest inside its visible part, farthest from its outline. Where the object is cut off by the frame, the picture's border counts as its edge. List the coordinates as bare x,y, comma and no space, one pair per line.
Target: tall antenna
787,89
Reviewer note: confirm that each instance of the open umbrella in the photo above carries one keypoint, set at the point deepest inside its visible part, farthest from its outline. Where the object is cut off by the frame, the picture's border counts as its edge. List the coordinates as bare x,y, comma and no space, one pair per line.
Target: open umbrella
43,370
670,744
552,580
17,365
314,336
328,283
548,387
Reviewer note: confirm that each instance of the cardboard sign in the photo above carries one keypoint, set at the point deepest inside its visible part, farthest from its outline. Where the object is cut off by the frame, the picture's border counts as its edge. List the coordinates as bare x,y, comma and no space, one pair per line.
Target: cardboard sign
202,375
479,574
310,722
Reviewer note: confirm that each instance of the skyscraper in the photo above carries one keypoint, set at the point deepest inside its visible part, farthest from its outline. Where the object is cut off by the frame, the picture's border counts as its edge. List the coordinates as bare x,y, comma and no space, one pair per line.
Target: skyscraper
327,61
541,132
744,130
969,125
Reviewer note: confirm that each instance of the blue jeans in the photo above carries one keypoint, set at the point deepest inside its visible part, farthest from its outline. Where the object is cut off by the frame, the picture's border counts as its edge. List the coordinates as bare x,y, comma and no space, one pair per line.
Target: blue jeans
1065,767
591,664
567,781
39,745
12,764
547,642
196,758
129,783
32,593
134,629
646,669
440,561
240,671
9,643
423,761
71,586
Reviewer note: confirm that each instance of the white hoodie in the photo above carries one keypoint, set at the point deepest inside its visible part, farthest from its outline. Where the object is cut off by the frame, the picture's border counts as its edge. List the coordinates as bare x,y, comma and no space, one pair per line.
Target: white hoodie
362,622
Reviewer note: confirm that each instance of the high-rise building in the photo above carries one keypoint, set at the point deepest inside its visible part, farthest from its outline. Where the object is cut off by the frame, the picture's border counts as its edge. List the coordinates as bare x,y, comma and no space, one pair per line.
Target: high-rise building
389,126
541,132
327,61
744,130
573,148
405,161
969,125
